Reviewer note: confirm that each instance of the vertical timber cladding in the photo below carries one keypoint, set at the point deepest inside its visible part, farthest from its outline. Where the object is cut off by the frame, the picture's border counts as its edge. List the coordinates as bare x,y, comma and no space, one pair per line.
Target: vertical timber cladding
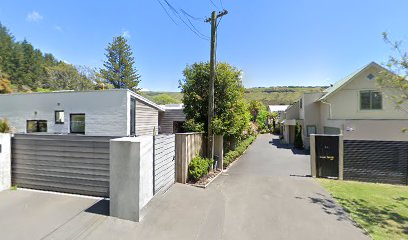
61,163
376,161
164,162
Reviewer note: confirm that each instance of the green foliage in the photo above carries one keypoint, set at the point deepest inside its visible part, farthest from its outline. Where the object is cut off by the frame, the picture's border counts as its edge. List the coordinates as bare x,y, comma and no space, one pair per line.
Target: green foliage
198,167
231,117
395,82
232,155
4,126
5,85
119,66
298,143
163,99
177,96
65,76
262,119
28,69
192,126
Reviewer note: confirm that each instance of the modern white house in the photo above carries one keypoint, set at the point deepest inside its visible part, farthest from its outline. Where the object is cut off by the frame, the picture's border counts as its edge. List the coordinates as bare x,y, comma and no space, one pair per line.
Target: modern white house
354,106
116,112
279,109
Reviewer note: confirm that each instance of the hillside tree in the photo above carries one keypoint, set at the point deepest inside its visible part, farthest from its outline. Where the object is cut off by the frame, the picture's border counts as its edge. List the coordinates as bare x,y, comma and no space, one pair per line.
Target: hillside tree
119,67
231,116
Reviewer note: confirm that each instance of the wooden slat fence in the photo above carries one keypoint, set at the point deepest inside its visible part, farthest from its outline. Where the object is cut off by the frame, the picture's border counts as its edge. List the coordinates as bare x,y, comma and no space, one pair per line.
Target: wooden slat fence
164,162
62,163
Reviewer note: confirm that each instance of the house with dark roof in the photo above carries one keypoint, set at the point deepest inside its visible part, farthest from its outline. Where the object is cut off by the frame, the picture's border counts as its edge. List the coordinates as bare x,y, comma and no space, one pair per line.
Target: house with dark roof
355,107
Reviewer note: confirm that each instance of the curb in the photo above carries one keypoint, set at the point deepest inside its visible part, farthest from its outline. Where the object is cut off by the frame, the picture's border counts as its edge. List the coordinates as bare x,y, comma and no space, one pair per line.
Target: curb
207,184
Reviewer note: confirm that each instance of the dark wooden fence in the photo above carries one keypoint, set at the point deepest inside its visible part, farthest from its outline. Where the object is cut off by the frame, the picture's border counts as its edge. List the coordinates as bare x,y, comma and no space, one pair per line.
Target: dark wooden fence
62,163
376,161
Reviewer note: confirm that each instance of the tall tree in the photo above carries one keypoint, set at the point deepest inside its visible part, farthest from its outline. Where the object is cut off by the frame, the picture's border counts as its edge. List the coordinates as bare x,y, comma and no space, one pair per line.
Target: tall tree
231,111
119,66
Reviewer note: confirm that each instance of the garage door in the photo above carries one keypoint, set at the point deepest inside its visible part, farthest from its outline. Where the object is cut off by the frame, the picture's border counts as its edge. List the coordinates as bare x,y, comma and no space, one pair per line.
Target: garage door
164,162
61,163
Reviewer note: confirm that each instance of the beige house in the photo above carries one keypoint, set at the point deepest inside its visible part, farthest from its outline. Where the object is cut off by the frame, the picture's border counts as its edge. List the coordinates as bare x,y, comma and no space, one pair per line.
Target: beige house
354,106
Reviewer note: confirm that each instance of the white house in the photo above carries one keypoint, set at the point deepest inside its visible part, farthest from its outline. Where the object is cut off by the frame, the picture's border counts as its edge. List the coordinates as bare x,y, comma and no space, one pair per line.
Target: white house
116,112
354,106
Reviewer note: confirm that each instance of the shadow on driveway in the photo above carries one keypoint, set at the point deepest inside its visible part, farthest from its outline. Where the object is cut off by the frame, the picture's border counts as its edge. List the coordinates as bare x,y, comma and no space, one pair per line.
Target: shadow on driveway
278,143
101,207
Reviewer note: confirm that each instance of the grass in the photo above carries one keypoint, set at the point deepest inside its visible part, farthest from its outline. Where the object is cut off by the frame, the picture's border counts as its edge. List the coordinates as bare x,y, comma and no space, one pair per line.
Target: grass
381,209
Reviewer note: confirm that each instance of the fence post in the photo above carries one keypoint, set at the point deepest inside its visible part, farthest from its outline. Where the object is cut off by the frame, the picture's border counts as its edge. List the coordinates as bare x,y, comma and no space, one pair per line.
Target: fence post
5,161
341,156
131,176
313,154
219,150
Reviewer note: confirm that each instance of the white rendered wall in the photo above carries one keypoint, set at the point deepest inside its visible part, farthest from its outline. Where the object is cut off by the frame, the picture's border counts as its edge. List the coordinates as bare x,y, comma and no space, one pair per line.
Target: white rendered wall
105,111
5,161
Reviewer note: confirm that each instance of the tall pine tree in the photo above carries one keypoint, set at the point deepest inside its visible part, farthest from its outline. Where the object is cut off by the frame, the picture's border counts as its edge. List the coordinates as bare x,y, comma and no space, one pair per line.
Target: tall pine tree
119,70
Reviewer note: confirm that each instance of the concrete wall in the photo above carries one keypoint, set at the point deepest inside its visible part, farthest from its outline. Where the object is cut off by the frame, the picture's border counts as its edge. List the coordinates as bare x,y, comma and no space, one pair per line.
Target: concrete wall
5,161
105,111
188,145
131,176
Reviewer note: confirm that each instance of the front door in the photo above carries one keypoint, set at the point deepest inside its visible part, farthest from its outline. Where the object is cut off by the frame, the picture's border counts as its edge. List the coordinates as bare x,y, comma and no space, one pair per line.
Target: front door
327,156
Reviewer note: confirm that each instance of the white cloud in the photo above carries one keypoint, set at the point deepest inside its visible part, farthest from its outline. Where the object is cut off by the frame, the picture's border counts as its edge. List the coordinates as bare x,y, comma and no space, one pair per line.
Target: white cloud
58,28
144,90
66,62
126,34
34,16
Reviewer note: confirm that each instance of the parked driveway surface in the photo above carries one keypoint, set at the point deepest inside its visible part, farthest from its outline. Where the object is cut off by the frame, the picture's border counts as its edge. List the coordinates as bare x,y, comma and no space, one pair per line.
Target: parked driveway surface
265,195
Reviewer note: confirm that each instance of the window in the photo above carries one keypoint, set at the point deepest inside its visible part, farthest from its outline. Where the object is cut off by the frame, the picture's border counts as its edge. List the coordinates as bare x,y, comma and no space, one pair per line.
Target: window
59,117
77,123
132,116
34,126
310,130
370,76
370,100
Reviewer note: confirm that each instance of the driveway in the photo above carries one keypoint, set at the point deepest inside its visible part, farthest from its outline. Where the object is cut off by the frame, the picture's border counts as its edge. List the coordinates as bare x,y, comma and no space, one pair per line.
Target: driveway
264,195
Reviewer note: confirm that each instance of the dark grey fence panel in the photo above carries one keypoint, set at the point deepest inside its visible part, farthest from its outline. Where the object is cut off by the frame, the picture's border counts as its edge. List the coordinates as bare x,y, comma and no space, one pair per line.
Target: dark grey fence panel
62,163
376,161
164,162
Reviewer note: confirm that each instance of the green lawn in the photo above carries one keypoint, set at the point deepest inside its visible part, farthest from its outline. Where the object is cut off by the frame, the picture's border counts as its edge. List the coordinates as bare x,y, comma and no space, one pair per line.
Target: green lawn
381,209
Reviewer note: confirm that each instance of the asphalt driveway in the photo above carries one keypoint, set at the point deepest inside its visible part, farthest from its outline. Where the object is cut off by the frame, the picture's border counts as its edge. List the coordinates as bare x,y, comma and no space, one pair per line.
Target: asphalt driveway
265,195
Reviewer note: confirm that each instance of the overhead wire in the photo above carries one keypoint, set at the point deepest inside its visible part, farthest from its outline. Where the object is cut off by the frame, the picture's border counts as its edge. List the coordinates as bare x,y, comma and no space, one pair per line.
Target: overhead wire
187,16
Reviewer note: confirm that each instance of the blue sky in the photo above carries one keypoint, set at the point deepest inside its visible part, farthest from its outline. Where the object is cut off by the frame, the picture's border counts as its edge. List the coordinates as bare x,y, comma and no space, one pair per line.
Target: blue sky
275,43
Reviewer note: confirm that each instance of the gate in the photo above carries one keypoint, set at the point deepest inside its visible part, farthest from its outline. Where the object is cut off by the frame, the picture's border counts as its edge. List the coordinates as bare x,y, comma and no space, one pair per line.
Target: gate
164,162
61,163
327,156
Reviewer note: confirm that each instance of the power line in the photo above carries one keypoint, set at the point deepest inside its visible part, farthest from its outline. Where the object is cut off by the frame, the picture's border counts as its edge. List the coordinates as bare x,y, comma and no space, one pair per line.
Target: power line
190,26
212,2
161,4
222,5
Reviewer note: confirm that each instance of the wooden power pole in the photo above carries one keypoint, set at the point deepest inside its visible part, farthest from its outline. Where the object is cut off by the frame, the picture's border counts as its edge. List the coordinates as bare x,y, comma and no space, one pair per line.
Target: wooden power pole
213,63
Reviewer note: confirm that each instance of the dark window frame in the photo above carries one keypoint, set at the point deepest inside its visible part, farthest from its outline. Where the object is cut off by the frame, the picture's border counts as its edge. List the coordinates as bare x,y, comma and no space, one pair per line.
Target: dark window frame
55,117
132,113
70,122
37,122
307,130
371,93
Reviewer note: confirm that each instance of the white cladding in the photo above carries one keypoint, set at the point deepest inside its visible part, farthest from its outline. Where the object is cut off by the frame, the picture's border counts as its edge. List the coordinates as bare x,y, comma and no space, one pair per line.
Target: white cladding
106,112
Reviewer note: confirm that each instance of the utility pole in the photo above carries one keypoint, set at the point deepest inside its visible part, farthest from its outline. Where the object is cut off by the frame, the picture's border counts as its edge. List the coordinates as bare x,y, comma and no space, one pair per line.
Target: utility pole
213,63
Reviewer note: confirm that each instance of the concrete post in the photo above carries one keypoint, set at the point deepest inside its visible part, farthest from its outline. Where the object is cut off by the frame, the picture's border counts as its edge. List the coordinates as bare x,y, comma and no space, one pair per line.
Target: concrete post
5,161
341,156
131,176
313,154
219,150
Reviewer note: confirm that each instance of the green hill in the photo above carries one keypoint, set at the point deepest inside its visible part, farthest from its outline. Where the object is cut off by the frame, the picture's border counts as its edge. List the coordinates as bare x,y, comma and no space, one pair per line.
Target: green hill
267,95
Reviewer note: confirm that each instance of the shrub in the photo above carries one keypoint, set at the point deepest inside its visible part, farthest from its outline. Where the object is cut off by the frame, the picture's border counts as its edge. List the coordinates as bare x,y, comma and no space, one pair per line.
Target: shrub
198,167
192,126
298,143
4,126
230,156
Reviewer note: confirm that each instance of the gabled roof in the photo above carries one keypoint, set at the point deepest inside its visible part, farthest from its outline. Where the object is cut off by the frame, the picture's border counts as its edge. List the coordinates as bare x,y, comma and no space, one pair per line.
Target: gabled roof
338,85
147,101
